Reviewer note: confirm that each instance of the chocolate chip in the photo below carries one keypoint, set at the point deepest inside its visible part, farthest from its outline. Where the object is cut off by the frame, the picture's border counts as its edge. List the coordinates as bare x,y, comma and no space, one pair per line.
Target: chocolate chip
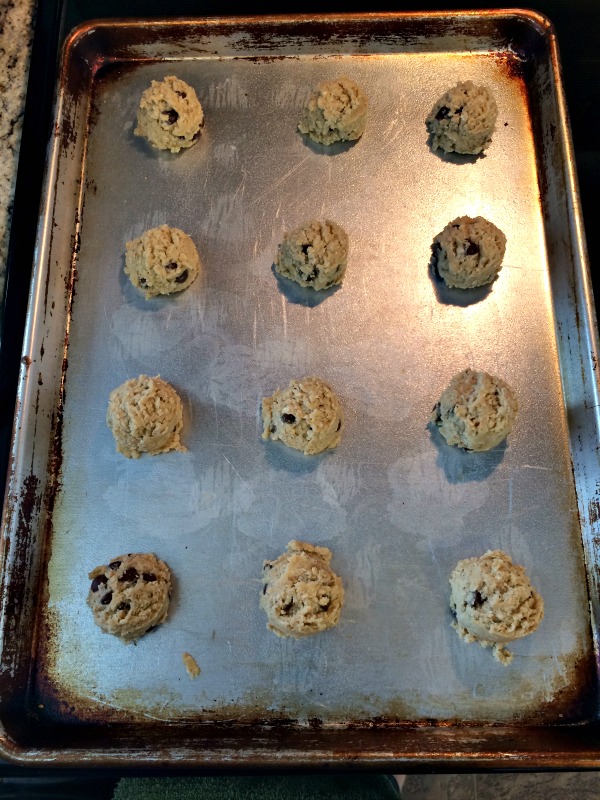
171,265
183,277
313,275
443,113
304,249
472,248
114,565
181,94
130,575
197,135
123,607
438,414
106,599
289,419
272,428
475,600
326,606
265,589
287,607
172,116
339,426
149,577
459,110
99,580
142,281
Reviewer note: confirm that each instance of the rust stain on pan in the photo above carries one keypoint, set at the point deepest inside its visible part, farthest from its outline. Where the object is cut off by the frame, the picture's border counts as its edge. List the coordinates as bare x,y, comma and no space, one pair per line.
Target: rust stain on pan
594,511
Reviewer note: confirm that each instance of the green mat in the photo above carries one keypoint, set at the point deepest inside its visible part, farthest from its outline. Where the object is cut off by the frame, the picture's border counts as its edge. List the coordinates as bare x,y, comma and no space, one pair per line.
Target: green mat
285,787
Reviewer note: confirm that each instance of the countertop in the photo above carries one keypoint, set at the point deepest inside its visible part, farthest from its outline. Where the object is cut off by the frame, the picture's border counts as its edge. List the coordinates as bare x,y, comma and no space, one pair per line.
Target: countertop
16,34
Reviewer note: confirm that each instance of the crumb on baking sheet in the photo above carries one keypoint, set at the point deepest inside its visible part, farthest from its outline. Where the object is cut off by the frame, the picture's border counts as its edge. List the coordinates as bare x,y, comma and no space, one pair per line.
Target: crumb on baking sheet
193,670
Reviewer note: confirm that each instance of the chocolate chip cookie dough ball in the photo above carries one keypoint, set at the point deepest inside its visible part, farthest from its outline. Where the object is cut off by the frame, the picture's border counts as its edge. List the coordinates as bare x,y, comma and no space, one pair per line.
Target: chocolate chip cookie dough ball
493,602
314,255
301,594
306,416
469,252
336,112
170,116
463,119
130,595
146,416
162,261
476,411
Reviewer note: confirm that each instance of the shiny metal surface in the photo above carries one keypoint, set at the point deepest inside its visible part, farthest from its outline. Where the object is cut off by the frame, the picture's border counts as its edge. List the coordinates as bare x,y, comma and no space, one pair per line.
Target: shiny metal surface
394,503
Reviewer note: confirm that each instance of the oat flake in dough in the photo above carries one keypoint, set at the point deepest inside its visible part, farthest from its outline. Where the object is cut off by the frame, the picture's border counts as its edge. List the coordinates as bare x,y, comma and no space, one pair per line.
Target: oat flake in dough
170,116
476,411
145,415
463,119
336,112
130,595
469,252
162,260
493,602
307,416
301,594
314,255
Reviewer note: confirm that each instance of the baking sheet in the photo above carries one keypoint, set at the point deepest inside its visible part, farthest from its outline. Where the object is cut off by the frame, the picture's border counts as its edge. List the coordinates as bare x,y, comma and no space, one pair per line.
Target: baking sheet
396,505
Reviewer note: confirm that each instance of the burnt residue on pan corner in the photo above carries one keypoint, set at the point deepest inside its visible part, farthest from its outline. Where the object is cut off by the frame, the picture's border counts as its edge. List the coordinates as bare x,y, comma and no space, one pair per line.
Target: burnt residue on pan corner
19,591
575,701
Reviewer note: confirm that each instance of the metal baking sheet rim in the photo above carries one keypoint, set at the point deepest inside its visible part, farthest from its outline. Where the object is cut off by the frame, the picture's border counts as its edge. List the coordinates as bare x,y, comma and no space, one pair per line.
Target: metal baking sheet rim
28,511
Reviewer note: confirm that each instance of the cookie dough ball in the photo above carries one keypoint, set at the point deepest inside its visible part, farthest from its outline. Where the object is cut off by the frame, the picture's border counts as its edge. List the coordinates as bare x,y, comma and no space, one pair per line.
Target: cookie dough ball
469,252
306,416
146,416
170,115
336,112
476,411
130,595
314,255
162,261
301,594
463,120
494,602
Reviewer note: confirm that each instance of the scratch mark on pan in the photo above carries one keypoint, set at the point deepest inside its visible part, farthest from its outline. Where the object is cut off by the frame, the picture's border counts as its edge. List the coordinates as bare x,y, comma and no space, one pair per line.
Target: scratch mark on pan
216,416
235,470
510,500
284,315
254,331
281,180
533,466
113,705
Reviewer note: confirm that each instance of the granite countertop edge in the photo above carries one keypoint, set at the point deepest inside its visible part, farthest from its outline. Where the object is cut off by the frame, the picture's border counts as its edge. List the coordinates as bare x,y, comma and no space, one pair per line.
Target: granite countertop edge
16,36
